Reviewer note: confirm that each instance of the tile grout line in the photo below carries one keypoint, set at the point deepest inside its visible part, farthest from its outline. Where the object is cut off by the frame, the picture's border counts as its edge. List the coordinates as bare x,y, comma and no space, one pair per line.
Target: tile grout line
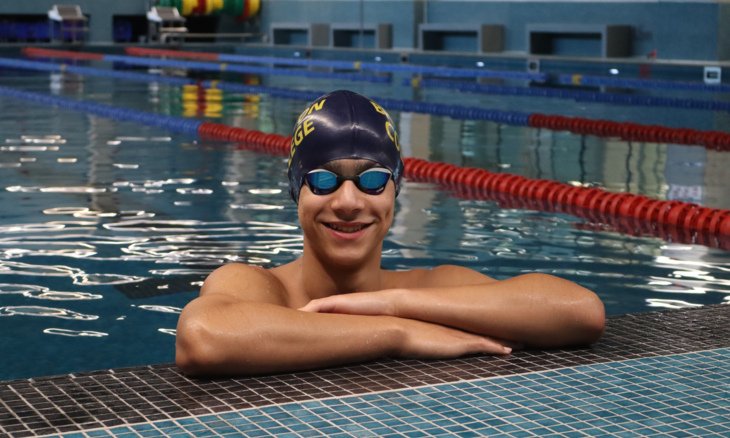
470,380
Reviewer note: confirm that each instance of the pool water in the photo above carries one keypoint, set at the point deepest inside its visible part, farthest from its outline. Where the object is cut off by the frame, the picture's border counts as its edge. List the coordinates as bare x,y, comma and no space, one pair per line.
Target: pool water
107,228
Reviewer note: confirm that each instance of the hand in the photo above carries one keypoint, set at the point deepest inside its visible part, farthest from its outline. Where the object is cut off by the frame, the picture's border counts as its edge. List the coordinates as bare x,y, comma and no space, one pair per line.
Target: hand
356,303
424,340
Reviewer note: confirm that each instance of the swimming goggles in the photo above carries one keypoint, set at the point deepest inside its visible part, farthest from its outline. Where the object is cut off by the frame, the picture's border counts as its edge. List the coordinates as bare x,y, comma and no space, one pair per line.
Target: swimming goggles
371,181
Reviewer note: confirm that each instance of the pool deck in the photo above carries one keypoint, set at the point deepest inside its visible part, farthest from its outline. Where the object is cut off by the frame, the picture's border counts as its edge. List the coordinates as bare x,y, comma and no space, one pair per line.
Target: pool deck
663,373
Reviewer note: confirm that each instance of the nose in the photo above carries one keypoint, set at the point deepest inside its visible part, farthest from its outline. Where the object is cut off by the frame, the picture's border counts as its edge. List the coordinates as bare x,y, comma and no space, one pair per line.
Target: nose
347,200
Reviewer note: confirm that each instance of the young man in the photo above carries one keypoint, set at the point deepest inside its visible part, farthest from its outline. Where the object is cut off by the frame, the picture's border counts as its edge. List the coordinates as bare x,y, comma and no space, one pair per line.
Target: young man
335,304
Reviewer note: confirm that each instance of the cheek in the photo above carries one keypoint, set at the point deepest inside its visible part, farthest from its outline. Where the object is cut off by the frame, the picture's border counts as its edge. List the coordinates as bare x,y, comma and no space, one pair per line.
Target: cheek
386,206
307,207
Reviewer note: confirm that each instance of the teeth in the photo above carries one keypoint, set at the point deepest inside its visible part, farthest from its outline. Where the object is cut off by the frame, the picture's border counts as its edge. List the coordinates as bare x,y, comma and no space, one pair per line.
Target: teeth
345,229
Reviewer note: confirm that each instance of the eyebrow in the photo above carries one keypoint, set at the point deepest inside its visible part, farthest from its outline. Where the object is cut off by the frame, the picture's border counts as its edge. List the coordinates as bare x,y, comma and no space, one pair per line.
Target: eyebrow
361,166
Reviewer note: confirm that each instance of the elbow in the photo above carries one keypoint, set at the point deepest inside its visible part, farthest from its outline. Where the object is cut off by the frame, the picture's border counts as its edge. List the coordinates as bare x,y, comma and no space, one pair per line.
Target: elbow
592,319
192,356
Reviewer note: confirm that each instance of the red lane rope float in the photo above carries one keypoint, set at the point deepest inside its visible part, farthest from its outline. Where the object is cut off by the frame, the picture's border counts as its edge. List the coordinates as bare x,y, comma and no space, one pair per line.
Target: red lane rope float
632,131
628,213
200,56
247,138
53,53
625,212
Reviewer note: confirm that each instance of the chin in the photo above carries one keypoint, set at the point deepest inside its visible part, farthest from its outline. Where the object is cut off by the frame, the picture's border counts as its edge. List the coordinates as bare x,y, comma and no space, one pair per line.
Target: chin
347,261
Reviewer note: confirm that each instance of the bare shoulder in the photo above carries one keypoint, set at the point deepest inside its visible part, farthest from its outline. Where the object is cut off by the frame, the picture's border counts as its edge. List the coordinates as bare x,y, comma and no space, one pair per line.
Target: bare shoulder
245,282
439,276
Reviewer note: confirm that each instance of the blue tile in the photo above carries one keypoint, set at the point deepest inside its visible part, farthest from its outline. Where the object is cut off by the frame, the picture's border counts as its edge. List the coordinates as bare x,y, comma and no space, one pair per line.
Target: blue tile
257,433
153,433
648,395
508,427
720,428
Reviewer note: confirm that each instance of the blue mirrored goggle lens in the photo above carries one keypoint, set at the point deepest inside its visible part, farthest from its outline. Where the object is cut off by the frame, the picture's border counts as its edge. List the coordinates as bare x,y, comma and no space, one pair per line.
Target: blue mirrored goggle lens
324,182
373,179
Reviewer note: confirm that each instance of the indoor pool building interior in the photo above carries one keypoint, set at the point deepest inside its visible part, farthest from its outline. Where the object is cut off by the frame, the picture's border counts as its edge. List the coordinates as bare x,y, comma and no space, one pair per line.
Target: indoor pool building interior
144,143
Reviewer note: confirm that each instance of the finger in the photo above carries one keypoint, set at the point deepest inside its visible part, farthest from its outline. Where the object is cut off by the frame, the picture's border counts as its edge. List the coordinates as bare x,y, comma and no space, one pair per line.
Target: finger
320,305
492,346
309,307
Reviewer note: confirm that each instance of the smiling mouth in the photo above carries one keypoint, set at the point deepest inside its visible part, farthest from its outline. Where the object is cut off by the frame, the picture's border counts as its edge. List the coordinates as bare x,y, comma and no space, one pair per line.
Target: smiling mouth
347,228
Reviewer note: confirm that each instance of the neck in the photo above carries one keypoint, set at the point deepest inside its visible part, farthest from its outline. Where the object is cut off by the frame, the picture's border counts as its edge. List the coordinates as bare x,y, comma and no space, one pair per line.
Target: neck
321,279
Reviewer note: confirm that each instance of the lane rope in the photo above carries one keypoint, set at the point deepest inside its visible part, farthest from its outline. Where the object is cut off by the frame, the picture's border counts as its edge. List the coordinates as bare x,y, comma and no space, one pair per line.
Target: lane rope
628,131
451,72
577,95
202,65
673,220
660,84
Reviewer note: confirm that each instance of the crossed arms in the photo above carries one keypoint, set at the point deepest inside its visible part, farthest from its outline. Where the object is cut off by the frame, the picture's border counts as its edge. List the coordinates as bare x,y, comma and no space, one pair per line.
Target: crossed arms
244,323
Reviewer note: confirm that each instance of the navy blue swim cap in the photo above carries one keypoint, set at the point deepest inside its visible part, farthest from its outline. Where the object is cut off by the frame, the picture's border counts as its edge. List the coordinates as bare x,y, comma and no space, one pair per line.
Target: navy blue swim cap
341,125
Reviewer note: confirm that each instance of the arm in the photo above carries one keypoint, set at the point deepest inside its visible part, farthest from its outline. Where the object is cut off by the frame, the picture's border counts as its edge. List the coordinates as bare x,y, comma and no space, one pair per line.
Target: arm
240,325
533,309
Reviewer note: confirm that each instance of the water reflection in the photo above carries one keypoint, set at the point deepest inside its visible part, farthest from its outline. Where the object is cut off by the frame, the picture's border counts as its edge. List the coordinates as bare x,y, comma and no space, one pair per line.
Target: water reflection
158,308
74,333
91,279
670,304
47,312
67,189
43,293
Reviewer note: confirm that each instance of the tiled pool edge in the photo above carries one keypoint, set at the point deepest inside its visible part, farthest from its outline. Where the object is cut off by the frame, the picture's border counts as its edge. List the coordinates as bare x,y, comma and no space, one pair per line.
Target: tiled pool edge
684,394
106,399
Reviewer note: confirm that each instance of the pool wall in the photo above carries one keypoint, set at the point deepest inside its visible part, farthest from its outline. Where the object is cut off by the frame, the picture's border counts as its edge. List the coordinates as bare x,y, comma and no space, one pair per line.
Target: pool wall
687,30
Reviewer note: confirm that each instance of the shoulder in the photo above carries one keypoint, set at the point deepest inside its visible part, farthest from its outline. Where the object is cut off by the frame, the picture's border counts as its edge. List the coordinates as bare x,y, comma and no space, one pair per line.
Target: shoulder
439,276
245,282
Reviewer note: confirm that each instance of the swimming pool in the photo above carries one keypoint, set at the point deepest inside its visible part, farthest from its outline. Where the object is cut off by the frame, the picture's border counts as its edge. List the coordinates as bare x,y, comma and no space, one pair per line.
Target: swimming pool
108,228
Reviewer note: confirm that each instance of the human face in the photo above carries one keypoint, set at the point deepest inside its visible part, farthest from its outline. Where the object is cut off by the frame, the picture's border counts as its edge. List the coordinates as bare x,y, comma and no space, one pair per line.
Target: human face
346,228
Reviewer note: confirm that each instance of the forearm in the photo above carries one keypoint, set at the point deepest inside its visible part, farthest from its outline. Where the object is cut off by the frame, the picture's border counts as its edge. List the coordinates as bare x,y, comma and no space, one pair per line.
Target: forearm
256,338
535,309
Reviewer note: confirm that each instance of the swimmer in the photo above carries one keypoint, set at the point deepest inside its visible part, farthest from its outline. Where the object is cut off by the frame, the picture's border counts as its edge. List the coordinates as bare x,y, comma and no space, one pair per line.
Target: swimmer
335,304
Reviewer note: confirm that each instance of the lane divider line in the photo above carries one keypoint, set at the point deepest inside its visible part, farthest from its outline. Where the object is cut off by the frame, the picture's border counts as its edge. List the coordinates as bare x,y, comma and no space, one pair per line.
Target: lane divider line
673,220
627,131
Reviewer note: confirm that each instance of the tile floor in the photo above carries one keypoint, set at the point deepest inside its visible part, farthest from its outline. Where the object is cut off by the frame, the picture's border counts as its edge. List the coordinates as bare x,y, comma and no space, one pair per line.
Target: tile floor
660,373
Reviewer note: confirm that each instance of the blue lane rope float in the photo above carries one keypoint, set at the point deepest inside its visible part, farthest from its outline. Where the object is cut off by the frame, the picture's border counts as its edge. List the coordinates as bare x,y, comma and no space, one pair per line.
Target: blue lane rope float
172,123
203,66
605,128
451,72
678,221
578,79
454,111
91,71
577,95
218,67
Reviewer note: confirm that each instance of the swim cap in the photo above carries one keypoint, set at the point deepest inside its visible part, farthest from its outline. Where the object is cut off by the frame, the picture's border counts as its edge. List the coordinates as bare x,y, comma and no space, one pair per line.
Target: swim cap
341,125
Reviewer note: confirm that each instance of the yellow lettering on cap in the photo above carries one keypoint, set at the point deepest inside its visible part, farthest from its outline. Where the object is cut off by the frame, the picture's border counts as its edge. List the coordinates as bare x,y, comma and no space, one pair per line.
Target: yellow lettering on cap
316,106
379,109
304,127
392,134
298,136
308,126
